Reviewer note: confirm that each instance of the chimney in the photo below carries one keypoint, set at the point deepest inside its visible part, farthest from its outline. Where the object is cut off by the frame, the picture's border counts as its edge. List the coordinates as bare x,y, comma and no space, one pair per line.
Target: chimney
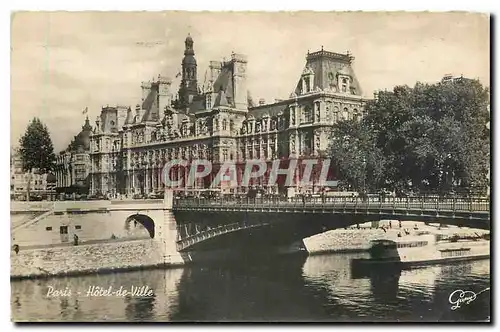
262,101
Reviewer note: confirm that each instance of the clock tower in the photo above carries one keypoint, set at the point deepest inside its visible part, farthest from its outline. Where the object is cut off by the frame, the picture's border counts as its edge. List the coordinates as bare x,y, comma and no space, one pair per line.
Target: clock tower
189,84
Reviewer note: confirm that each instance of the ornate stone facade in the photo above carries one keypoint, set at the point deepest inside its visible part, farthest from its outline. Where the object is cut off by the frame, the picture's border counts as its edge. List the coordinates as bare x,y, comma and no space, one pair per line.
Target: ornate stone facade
129,147
73,164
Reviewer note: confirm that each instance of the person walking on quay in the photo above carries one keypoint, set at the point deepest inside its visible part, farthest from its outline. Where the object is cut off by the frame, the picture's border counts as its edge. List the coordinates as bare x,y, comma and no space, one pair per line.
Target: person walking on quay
75,240
16,248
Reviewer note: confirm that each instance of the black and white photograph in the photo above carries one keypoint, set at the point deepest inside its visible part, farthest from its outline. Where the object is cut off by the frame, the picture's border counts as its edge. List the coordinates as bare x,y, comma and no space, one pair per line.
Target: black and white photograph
175,166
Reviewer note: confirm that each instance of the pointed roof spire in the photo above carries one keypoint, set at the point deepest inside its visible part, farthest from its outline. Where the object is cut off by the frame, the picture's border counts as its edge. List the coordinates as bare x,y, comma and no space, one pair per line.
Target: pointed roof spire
189,45
87,126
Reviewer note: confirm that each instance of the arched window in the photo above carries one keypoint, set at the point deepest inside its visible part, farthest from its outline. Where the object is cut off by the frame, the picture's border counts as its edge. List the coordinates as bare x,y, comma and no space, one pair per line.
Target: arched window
344,85
335,114
345,114
273,124
224,124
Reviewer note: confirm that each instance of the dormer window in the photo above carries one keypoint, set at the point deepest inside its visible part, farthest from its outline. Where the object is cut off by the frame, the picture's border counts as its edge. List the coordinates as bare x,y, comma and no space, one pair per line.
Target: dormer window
344,85
307,80
224,124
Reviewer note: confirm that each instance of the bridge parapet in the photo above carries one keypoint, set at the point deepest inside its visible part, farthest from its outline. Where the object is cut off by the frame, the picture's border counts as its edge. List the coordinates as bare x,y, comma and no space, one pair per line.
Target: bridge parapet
472,205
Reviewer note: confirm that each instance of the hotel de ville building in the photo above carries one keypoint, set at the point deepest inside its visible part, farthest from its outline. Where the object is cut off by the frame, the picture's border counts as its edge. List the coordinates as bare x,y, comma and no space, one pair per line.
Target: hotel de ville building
219,122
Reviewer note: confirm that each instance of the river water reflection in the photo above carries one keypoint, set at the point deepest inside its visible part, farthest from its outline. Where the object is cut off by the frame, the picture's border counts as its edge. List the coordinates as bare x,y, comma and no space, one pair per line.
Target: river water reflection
316,288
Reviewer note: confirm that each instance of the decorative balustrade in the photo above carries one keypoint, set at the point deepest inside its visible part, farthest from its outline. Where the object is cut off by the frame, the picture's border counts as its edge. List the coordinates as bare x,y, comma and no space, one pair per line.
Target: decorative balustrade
473,204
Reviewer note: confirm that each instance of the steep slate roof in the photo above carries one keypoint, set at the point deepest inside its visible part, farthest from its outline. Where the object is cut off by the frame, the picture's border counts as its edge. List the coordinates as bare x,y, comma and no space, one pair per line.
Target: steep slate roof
225,82
221,99
271,109
150,104
250,100
197,104
130,117
326,66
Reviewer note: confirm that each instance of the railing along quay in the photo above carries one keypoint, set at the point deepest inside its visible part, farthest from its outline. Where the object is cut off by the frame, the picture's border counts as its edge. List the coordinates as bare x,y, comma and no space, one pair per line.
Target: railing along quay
478,205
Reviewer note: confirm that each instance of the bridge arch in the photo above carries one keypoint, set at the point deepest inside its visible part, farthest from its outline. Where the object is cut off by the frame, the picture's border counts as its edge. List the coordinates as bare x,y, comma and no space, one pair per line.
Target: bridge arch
146,221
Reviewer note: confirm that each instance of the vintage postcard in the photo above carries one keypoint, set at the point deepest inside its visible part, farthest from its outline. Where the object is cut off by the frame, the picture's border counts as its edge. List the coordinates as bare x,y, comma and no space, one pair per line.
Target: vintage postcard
250,167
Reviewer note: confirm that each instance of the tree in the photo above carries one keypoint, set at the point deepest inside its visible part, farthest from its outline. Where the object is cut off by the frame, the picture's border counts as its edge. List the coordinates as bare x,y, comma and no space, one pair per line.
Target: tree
36,149
355,155
432,137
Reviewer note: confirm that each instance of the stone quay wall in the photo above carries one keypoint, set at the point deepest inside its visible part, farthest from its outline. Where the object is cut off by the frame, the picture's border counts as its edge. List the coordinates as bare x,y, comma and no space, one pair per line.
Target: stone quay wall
91,258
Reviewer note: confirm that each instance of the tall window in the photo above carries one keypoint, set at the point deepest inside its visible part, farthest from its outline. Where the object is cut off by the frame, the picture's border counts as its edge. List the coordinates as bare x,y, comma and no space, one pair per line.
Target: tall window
355,115
308,84
308,114
335,114
344,85
224,124
209,101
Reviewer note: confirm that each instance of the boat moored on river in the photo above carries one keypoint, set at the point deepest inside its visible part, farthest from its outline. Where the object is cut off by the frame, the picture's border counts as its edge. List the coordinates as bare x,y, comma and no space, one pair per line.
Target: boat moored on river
425,248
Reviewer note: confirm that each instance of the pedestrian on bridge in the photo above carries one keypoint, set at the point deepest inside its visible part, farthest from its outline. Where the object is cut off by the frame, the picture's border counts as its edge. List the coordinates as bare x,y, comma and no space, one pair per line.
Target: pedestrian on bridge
16,248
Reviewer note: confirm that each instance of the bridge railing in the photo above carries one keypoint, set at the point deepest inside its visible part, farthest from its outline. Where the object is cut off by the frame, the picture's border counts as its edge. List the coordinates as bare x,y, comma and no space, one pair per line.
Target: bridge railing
470,204
201,236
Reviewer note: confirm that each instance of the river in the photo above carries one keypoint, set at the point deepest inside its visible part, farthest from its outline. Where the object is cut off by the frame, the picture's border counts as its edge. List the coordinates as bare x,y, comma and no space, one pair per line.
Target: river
317,288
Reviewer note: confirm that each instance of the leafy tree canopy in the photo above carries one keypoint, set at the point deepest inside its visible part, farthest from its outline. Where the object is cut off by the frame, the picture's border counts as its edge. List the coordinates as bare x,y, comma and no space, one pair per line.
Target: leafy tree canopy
432,137
36,148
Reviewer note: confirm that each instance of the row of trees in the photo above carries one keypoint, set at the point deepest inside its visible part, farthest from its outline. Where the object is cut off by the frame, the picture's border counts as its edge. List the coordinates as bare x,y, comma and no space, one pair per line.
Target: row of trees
426,138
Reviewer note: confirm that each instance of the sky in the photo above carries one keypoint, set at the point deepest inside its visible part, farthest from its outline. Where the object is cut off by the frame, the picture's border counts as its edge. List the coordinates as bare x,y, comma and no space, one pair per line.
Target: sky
63,62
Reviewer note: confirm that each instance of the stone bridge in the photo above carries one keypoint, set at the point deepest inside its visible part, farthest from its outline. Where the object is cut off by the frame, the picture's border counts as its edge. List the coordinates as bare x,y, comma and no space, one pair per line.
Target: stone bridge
189,225
206,224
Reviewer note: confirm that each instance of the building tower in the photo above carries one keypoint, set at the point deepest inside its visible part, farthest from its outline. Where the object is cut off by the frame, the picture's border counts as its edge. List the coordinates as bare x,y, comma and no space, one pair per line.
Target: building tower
189,84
